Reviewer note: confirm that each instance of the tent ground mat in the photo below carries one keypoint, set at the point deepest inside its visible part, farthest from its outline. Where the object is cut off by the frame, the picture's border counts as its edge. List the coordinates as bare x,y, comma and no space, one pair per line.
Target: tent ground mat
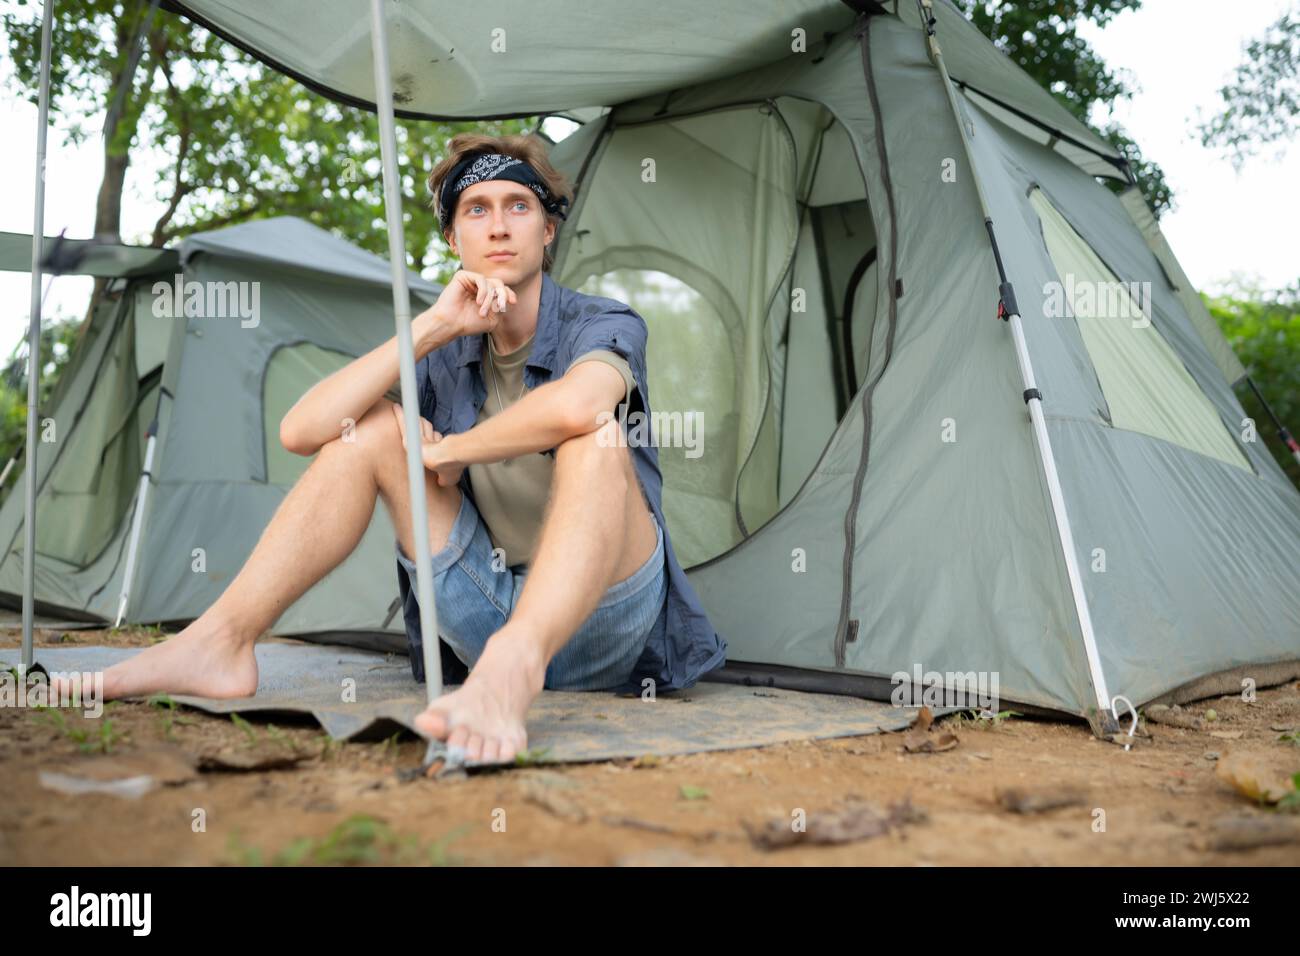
563,727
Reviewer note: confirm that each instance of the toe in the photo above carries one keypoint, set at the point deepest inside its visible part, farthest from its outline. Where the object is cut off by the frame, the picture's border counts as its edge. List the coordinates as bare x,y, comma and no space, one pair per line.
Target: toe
474,747
458,737
433,723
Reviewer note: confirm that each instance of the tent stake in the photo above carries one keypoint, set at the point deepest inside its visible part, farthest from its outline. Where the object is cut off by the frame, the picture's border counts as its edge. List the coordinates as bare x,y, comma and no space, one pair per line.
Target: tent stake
34,343
1105,721
406,360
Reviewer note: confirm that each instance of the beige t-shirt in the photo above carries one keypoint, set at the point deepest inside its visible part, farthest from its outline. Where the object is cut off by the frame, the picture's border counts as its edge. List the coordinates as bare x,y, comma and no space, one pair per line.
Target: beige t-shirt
511,495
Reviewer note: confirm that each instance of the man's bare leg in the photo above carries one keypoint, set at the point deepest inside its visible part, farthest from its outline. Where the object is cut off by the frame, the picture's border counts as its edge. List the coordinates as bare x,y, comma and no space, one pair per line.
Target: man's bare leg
598,530
317,525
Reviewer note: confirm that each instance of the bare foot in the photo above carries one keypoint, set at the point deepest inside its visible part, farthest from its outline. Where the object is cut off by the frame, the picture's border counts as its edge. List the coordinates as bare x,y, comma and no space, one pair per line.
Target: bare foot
484,719
197,662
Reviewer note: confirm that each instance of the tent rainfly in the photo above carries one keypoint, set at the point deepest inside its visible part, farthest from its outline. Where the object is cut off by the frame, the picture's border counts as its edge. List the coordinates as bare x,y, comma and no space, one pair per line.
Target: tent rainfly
946,403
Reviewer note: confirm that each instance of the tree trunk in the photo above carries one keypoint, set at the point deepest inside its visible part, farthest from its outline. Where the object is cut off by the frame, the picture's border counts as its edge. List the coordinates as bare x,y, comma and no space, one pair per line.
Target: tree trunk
108,205
108,208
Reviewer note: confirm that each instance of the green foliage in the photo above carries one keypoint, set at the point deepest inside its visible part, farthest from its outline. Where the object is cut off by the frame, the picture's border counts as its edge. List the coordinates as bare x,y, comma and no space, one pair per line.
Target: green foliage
87,742
532,756
236,141
243,142
1042,37
980,720
360,839
57,338
1290,803
1262,103
246,727
1263,328
167,708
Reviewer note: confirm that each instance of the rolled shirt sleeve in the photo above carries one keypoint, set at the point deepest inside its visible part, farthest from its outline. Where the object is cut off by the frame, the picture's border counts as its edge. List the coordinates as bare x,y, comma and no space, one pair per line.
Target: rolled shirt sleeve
423,388
617,362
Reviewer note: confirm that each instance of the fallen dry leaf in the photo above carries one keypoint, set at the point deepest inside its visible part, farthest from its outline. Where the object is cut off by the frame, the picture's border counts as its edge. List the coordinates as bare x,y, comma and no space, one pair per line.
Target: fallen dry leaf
1251,776
554,802
859,820
1027,800
259,757
918,739
1246,833
1162,714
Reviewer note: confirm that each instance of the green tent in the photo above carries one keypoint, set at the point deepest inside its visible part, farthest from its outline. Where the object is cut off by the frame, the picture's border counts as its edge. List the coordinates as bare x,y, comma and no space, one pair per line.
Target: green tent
264,311
814,265
961,412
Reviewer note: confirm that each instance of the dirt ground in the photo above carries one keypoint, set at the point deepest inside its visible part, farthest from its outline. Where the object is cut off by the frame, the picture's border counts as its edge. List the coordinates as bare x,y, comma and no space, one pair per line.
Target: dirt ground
330,802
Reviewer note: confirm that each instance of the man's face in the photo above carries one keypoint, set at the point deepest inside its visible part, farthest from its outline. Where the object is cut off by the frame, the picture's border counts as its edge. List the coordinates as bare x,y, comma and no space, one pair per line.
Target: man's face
501,230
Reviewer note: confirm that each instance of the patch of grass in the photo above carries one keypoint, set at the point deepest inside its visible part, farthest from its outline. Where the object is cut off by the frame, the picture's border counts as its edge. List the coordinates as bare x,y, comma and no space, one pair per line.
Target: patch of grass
359,840
278,736
331,748
170,719
104,741
980,720
1290,803
390,743
151,632
438,855
689,792
1291,737
532,756
365,839
108,737
245,726
240,853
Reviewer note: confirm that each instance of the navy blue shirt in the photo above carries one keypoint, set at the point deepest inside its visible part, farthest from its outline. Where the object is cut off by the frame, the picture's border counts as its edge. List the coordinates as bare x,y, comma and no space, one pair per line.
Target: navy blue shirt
683,645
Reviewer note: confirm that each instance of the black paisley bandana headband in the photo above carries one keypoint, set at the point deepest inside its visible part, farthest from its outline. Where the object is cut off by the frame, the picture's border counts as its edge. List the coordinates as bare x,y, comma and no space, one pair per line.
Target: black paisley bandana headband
482,167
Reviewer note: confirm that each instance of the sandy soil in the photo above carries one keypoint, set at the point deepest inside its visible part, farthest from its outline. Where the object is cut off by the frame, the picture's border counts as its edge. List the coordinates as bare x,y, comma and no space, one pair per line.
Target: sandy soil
1161,802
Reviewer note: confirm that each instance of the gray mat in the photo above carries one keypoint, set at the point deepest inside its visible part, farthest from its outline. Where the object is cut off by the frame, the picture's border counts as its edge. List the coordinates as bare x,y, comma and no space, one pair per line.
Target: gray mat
565,727
39,623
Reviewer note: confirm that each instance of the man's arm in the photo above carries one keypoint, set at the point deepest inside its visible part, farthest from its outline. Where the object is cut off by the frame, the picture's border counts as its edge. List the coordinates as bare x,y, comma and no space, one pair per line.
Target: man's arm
548,415
318,416
469,303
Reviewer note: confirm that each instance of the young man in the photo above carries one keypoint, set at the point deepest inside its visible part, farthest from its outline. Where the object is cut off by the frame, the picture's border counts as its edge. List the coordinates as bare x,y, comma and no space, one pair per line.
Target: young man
552,566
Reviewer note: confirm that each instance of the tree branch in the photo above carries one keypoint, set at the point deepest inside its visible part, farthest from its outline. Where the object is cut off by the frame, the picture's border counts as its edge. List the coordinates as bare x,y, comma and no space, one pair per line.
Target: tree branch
158,46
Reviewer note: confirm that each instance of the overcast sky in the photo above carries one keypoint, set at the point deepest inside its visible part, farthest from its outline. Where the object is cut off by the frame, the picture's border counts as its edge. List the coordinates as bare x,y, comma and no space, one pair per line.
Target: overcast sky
1178,52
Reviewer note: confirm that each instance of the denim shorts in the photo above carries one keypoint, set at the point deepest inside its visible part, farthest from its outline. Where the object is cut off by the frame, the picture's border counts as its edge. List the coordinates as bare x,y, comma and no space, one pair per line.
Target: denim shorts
473,601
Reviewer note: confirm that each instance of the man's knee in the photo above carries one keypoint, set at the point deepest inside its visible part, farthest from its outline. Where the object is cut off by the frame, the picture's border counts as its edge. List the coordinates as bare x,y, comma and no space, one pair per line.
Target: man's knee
374,433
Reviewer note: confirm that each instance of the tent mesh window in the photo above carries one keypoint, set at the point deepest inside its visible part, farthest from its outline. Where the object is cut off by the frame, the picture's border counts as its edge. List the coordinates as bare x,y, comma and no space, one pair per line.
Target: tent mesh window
291,371
1146,386
743,237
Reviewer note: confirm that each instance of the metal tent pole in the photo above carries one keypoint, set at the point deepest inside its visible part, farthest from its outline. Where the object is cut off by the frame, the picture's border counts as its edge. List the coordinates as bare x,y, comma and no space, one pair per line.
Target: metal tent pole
137,520
1292,445
1106,718
34,342
406,355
